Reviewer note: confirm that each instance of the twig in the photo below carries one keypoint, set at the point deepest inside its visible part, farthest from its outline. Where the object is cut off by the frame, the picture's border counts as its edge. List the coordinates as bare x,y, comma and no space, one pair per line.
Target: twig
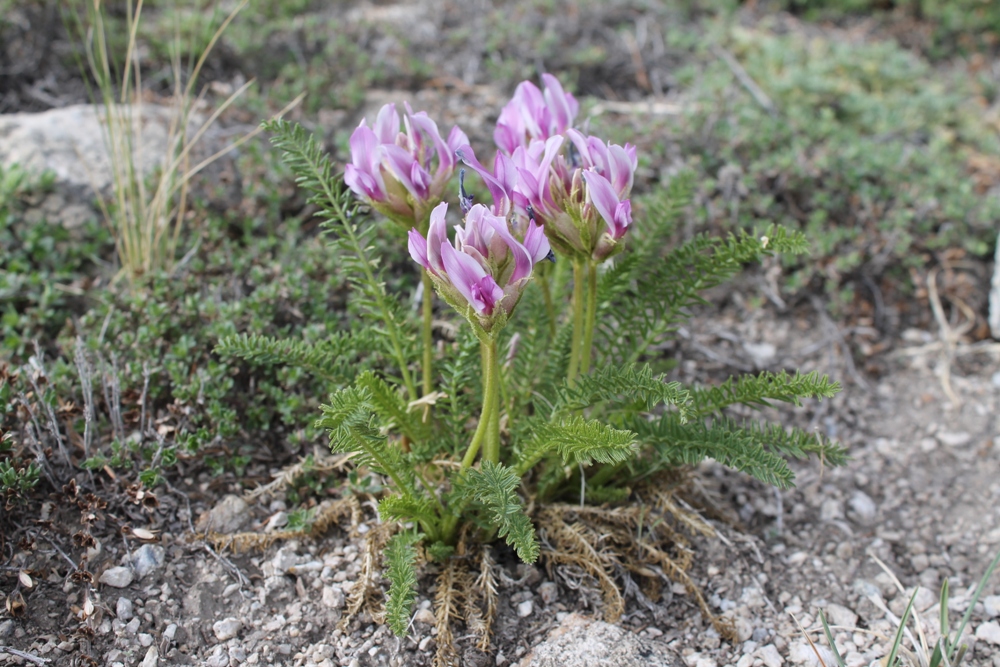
949,337
30,657
228,564
745,79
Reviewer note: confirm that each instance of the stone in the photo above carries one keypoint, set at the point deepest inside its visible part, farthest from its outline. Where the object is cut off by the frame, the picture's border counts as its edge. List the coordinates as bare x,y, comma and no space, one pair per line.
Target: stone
989,632
277,521
145,639
219,658
228,516
761,353
863,508
525,608
69,143
579,641
333,597
6,628
117,577
152,658
123,609
841,616
831,510
237,654
769,656
147,559
226,628
746,660
991,603
549,592
424,616
953,438
803,654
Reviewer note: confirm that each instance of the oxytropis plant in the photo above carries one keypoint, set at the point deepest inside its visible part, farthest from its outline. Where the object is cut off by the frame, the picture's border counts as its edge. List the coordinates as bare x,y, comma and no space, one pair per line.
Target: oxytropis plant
551,387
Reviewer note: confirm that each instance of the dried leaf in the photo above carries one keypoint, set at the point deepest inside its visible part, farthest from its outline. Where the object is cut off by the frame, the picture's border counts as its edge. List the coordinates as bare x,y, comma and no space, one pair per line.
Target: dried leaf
143,534
25,579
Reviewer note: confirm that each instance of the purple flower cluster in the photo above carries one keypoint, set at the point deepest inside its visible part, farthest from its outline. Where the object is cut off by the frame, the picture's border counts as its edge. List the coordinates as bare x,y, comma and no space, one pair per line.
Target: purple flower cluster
402,174
553,187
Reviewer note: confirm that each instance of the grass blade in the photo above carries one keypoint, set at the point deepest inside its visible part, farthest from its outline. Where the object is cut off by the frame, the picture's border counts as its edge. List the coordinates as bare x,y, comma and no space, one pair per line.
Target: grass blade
829,638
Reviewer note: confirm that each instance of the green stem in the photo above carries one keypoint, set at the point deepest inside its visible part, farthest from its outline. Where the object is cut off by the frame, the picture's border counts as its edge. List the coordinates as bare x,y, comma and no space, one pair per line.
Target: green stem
543,281
428,337
491,368
490,398
591,319
577,343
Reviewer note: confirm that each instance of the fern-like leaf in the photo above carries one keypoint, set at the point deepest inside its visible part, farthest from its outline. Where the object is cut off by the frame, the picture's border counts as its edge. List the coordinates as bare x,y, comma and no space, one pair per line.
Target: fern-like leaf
404,508
494,486
750,446
391,407
401,571
576,439
629,384
761,389
351,424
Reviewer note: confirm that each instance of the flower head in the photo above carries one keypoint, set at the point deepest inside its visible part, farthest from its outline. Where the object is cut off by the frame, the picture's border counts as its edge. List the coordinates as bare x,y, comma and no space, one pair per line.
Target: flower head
483,273
534,115
402,173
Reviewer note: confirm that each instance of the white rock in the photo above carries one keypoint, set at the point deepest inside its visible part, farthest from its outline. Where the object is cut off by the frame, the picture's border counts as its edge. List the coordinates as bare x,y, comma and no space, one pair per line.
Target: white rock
219,658
226,628
525,608
746,660
277,521
770,656
228,516
992,605
549,592
145,639
831,509
6,628
925,599
841,616
123,609
424,616
863,508
285,559
582,642
152,658
705,662
147,559
953,438
333,597
237,654
117,577
989,632
802,653
761,353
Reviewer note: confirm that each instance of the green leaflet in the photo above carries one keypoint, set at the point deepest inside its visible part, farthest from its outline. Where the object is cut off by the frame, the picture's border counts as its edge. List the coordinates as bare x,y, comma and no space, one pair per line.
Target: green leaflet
629,385
401,571
749,447
575,438
761,389
494,487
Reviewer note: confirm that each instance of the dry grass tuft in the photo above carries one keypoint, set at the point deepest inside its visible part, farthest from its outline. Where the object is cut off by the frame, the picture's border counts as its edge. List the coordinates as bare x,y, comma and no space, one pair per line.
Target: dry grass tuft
328,513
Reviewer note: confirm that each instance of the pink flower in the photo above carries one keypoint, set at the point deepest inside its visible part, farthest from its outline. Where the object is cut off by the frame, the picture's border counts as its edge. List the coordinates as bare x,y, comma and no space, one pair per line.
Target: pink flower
532,114
486,268
402,173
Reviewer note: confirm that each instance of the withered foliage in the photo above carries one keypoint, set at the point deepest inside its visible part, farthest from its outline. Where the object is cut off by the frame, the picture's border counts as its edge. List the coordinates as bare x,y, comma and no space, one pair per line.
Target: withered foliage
328,513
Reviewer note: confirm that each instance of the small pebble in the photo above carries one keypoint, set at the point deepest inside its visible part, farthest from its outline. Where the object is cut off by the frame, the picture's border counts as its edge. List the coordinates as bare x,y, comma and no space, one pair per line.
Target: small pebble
769,654
123,609
549,592
425,616
226,628
989,632
117,577
525,608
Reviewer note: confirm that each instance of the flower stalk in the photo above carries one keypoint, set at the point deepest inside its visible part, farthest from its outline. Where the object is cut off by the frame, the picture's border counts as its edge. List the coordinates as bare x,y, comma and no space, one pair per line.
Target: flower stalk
590,318
576,346
428,337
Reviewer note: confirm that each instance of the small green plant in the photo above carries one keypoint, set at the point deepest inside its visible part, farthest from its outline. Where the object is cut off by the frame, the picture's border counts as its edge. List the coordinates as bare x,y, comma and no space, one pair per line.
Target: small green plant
17,476
558,358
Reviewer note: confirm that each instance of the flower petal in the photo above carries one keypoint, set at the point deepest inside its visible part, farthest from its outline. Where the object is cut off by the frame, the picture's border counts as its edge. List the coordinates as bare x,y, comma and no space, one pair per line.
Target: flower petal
386,125
602,195
417,245
464,273
437,236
